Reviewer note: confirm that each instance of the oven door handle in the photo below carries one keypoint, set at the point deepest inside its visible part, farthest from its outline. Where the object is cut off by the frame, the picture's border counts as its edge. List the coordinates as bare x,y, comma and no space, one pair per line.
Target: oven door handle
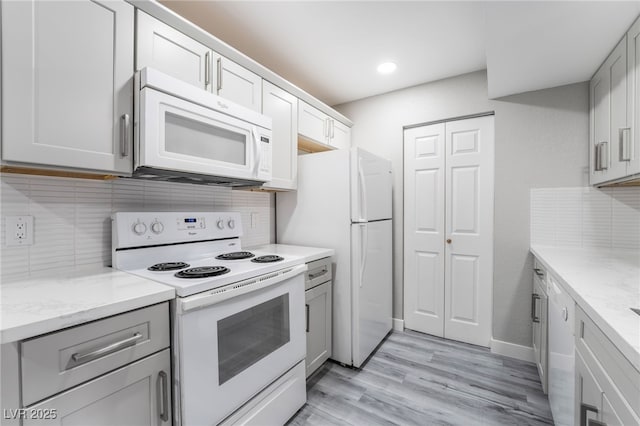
218,295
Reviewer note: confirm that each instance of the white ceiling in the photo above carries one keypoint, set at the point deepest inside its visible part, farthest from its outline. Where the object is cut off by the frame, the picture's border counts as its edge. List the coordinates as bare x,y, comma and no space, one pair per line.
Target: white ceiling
331,48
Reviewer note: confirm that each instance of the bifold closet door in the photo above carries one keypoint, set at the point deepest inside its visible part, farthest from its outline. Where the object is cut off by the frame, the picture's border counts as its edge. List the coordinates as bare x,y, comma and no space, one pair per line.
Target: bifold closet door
448,229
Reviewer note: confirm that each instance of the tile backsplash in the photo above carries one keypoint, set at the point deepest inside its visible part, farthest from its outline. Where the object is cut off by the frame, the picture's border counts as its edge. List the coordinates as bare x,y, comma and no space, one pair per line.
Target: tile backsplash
72,216
586,217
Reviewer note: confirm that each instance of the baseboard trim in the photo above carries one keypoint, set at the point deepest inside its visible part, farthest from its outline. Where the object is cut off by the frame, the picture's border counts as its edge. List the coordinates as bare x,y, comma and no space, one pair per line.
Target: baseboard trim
398,324
523,353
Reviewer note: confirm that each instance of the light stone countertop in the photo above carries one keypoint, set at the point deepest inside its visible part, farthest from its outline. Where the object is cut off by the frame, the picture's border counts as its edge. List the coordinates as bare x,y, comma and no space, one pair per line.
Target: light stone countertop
53,301
308,253
605,283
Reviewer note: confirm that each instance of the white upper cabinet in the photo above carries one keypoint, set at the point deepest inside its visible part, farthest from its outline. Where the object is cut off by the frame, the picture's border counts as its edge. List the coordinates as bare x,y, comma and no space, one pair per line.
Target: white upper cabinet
238,84
614,134
168,50
67,84
608,97
172,52
633,112
317,126
282,107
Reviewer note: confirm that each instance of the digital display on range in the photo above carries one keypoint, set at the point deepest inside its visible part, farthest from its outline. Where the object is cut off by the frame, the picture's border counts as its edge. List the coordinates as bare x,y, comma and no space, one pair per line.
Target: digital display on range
190,220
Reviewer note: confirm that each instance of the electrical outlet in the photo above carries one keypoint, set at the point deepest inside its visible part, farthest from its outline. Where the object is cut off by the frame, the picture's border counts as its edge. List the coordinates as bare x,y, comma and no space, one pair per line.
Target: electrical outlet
254,219
19,230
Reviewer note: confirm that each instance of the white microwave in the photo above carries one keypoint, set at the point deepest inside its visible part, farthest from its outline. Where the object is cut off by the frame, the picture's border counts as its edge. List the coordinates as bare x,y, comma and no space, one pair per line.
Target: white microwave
183,133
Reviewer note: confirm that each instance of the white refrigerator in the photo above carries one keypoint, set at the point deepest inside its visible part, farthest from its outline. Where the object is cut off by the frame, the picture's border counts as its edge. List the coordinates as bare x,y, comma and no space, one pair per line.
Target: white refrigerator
343,202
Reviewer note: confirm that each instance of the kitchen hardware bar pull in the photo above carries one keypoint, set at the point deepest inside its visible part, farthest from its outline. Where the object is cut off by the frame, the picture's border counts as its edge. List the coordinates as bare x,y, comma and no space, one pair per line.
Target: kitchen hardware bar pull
326,128
107,349
584,408
306,314
207,70
534,299
125,123
318,274
164,414
604,155
625,144
219,73
538,272
332,128
596,166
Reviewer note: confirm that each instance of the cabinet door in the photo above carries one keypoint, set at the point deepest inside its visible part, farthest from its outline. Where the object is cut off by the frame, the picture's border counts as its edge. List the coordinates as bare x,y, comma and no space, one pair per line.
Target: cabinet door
168,50
238,84
633,111
588,394
609,116
318,326
312,123
282,107
138,394
340,135
67,80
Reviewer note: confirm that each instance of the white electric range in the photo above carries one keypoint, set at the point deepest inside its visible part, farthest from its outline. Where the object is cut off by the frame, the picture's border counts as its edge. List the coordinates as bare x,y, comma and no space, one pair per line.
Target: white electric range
238,321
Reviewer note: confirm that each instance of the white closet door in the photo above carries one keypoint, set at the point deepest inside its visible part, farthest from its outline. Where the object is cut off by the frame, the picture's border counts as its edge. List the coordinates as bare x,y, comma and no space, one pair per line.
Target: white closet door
468,274
424,162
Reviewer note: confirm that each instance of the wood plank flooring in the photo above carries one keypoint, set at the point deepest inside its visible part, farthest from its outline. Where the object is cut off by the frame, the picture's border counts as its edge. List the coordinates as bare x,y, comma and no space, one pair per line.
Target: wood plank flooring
417,379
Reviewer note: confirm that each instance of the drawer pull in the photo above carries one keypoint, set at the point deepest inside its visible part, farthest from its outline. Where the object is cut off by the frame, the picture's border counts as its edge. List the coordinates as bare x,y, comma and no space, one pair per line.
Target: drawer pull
88,356
318,274
534,299
164,399
306,307
538,272
584,408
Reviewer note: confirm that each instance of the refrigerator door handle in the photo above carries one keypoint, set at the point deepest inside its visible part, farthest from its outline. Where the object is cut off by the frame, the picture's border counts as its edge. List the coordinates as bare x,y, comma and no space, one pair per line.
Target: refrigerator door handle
363,192
364,242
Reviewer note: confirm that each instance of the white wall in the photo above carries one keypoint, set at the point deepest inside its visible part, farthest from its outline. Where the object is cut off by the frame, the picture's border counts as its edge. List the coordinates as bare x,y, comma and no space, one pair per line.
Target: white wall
72,216
541,141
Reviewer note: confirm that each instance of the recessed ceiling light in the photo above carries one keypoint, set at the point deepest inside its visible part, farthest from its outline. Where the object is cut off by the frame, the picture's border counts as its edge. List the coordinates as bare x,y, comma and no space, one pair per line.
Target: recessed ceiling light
386,68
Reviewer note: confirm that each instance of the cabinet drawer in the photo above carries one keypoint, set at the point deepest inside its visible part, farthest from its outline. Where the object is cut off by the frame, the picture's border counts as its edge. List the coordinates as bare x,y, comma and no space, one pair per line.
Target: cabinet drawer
318,272
61,360
612,370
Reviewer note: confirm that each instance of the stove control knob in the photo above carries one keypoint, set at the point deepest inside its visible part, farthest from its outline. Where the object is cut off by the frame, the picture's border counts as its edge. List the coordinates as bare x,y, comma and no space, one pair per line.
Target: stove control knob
231,223
220,224
157,227
139,228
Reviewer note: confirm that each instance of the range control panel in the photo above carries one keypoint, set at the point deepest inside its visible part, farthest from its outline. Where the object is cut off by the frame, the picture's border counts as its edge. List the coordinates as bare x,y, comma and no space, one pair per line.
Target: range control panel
136,229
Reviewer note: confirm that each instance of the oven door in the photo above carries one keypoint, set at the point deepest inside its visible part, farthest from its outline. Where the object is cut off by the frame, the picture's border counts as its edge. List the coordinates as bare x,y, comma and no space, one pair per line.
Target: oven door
231,346
175,134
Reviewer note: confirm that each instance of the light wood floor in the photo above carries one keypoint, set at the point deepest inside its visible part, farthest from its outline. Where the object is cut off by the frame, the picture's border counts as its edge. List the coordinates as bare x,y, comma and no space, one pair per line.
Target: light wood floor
416,379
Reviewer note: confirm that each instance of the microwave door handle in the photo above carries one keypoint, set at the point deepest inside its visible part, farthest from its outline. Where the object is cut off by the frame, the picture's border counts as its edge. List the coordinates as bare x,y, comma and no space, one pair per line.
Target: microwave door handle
257,155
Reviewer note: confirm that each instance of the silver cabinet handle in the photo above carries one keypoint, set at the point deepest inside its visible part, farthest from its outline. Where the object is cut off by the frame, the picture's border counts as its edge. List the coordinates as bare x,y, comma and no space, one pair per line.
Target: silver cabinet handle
534,299
125,124
625,144
538,272
333,123
163,396
584,408
219,74
88,356
207,69
306,307
596,151
604,155
326,127
318,274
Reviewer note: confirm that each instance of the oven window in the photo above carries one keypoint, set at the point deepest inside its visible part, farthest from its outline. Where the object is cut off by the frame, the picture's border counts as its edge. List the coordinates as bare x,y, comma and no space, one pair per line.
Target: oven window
200,140
248,336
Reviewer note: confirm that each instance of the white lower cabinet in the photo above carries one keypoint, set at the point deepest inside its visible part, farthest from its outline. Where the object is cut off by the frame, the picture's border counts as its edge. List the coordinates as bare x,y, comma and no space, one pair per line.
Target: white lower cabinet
318,326
539,315
138,394
607,386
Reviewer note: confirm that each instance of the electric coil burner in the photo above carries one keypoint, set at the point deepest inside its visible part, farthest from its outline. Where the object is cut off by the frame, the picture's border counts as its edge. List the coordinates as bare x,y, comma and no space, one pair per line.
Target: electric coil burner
269,258
203,272
168,266
236,255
